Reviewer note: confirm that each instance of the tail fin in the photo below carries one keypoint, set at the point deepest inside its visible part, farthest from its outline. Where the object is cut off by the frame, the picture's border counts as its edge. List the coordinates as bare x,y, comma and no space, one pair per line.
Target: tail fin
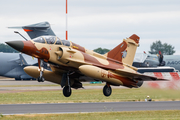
36,30
27,60
23,61
125,51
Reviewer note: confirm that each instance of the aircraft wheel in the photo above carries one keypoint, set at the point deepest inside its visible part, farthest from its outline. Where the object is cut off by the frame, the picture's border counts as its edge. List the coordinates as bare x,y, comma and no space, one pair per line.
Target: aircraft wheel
107,90
67,91
40,79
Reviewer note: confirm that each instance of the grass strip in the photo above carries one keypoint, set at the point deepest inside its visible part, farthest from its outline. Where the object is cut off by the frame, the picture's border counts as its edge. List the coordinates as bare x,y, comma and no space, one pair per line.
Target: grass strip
131,115
89,95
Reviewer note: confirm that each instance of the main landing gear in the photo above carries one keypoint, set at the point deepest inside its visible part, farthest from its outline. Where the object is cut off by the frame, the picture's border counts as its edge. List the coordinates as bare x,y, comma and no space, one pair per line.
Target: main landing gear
107,90
65,83
65,80
67,91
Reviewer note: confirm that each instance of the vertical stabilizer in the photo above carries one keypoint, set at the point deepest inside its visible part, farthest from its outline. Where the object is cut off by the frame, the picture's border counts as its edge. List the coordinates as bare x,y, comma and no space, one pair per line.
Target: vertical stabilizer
36,30
125,51
23,61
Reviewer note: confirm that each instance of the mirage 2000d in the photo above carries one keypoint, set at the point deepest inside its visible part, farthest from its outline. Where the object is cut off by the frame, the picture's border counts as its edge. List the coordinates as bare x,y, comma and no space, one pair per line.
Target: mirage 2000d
71,63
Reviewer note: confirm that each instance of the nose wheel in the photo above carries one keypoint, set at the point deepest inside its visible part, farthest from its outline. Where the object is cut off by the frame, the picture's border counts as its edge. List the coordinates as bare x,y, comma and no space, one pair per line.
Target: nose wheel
41,78
107,90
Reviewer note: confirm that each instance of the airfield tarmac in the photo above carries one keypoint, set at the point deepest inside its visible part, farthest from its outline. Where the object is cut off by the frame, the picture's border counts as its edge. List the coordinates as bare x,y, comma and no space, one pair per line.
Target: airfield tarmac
9,109
59,108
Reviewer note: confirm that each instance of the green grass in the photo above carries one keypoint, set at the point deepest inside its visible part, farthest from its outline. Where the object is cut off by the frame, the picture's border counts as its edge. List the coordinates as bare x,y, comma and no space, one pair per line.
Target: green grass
89,95
94,95
134,115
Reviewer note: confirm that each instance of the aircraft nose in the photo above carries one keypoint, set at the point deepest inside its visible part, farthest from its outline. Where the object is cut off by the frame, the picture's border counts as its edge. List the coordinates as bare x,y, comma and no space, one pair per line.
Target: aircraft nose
18,45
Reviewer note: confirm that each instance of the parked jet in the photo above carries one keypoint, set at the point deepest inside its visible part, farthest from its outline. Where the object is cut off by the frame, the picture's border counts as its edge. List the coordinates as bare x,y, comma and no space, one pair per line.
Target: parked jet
12,65
71,63
149,60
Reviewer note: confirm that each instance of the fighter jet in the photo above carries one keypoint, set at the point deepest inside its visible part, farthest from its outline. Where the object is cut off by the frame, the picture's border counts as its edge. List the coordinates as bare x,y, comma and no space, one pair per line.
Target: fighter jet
71,63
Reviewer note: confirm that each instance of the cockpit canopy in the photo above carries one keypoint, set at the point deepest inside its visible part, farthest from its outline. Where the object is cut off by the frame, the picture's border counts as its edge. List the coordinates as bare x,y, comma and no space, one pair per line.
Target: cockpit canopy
51,40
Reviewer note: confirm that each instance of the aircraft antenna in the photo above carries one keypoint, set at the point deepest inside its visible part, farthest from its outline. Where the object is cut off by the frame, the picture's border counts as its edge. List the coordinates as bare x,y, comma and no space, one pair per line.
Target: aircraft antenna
66,20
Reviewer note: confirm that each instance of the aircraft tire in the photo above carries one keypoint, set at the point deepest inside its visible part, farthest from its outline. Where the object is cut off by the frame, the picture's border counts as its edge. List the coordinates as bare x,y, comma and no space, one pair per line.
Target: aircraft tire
40,79
67,91
107,90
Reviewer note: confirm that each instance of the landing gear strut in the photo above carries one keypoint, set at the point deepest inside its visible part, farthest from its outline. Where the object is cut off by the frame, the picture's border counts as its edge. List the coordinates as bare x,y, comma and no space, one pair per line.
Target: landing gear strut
107,90
41,78
67,89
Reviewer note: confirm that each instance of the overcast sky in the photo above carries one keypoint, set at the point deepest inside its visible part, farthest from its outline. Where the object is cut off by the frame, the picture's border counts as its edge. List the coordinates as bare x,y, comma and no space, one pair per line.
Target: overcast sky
97,23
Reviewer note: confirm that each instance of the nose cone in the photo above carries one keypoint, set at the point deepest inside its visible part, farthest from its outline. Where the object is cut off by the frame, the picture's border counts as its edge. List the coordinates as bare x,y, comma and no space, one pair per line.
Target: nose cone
18,45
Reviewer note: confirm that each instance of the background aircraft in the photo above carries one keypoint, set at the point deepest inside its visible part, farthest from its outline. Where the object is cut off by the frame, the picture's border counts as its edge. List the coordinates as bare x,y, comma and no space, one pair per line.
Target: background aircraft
71,63
36,30
12,64
148,60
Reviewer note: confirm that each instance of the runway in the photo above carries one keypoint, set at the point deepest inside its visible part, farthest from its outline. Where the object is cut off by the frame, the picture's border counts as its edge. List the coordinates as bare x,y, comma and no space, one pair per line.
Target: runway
11,109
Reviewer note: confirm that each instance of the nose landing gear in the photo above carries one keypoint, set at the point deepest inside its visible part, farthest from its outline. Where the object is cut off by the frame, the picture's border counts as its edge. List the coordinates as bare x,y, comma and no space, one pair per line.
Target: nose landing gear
41,65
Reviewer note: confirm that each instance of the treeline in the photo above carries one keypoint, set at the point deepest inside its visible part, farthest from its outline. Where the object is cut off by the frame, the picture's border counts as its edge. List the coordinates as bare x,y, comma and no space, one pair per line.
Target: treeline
7,49
165,48
101,50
